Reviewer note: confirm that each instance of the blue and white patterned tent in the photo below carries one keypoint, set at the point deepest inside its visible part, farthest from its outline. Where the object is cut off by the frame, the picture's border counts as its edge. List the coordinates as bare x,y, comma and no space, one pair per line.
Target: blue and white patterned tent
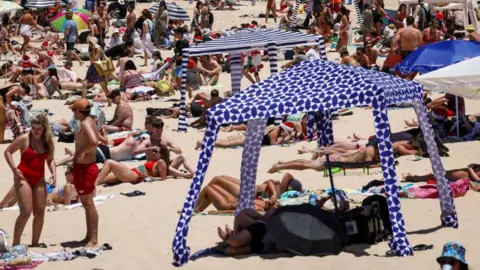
242,41
318,87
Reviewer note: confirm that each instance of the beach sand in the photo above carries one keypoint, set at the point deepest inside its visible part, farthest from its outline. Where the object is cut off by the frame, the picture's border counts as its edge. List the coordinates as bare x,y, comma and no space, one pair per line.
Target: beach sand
141,229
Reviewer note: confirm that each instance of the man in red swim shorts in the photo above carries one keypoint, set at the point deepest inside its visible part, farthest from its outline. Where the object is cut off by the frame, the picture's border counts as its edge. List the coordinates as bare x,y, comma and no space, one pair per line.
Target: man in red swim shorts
85,169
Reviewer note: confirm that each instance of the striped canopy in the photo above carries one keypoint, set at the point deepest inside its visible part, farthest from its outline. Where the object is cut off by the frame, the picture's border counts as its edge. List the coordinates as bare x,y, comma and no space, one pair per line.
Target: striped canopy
253,38
175,12
39,3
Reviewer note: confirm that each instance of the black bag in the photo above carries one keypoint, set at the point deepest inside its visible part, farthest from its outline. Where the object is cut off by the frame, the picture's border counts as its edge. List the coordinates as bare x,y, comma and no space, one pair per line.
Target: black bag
428,16
363,224
66,137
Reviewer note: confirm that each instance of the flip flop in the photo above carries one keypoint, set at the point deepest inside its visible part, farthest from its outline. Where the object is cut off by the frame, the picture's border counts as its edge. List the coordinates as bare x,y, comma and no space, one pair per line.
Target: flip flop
107,246
422,247
134,193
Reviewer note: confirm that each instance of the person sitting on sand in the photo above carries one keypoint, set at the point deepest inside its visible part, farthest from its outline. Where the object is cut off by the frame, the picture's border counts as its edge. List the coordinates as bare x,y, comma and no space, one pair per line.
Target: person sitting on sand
114,172
223,192
207,103
209,70
65,194
157,138
123,116
273,135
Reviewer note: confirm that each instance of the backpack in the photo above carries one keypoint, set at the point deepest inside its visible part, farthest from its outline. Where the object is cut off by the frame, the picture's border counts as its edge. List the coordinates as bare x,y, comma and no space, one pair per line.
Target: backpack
364,224
428,15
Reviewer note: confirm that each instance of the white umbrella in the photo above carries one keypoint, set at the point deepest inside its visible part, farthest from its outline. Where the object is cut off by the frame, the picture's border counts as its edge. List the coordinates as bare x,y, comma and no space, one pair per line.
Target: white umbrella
7,7
460,79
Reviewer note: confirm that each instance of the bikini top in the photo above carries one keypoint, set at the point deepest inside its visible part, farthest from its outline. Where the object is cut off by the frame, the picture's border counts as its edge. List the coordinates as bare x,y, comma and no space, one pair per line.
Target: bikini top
149,165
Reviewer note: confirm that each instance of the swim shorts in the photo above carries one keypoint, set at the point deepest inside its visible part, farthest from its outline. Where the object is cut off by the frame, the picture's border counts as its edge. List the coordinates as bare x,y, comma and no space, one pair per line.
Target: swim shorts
84,176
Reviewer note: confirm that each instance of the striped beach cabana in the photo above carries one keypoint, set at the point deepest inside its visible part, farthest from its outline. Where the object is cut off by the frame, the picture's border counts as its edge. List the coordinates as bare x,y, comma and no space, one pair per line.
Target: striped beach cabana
241,41
39,3
175,12
318,87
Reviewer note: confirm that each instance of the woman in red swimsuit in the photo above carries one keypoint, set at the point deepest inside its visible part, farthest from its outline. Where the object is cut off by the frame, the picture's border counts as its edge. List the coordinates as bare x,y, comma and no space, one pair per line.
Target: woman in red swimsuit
114,172
36,148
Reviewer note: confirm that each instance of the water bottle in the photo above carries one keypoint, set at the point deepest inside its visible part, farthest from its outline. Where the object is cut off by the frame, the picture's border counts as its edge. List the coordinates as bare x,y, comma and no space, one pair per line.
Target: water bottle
312,199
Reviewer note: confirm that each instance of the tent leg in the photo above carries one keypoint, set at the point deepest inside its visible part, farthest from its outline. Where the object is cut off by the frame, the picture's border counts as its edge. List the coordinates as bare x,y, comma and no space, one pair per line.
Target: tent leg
399,242
236,74
251,152
181,252
310,125
449,214
320,130
182,122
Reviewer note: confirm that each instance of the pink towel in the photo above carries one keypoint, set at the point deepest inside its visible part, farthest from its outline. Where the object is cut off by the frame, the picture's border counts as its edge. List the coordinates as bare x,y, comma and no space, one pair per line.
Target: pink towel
458,188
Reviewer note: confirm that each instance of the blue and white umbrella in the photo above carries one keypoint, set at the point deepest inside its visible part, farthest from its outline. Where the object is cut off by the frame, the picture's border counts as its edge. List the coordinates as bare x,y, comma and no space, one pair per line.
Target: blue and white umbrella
175,12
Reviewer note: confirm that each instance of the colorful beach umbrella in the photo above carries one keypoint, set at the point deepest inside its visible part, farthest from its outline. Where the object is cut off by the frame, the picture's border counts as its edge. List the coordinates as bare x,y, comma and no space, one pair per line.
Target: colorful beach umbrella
7,7
80,17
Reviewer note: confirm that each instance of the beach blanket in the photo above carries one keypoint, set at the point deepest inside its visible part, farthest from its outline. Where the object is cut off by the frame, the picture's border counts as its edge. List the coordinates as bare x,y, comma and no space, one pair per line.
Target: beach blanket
458,188
97,200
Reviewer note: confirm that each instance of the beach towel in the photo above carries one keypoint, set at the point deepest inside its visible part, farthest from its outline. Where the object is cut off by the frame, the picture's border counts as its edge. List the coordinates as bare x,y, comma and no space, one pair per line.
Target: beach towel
97,200
458,188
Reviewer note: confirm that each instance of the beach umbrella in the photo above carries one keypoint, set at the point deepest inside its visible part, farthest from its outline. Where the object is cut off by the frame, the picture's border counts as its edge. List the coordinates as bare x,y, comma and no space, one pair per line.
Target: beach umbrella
438,55
307,230
79,17
175,12
7,7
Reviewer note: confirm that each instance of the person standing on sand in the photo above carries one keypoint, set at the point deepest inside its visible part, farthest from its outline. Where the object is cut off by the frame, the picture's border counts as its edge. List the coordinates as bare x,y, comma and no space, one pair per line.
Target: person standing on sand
344,29
71,38
271,7
131,19
409,38
36,149
85,170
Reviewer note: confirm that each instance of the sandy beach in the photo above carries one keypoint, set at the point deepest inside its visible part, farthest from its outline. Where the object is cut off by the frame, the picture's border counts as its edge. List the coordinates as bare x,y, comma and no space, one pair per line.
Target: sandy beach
141,229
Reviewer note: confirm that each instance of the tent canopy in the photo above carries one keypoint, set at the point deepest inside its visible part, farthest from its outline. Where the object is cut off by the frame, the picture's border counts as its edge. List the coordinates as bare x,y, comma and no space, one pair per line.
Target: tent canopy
309,87
39,3
248,39
460,79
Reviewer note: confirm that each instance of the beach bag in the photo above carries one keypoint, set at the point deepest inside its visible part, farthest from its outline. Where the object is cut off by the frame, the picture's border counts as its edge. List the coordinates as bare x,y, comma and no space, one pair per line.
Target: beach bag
363,224
66,137
104,67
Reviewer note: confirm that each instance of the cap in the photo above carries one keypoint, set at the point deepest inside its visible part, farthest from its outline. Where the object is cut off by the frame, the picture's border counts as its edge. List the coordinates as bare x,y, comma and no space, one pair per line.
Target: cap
289,126
470,28
453,250
114,94
295,185
191,64
82,105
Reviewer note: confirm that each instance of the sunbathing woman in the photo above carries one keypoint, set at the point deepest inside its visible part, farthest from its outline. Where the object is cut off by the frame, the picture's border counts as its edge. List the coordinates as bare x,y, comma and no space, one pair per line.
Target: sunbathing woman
272,136
223,192
114,172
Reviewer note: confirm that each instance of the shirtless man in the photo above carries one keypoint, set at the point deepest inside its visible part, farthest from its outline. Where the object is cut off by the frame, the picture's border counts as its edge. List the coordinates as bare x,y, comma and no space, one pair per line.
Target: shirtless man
157,139
104,20
410,38
85,170
122,152
347,59
362,58
123,116
209,70
371,53
208,102
131,19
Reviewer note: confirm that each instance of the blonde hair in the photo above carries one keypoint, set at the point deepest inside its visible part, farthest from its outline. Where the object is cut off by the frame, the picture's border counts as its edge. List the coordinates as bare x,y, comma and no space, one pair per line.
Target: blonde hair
47,137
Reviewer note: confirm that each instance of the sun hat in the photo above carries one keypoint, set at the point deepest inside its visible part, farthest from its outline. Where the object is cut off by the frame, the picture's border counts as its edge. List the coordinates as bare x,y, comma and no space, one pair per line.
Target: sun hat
288,126
470,28
453,250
